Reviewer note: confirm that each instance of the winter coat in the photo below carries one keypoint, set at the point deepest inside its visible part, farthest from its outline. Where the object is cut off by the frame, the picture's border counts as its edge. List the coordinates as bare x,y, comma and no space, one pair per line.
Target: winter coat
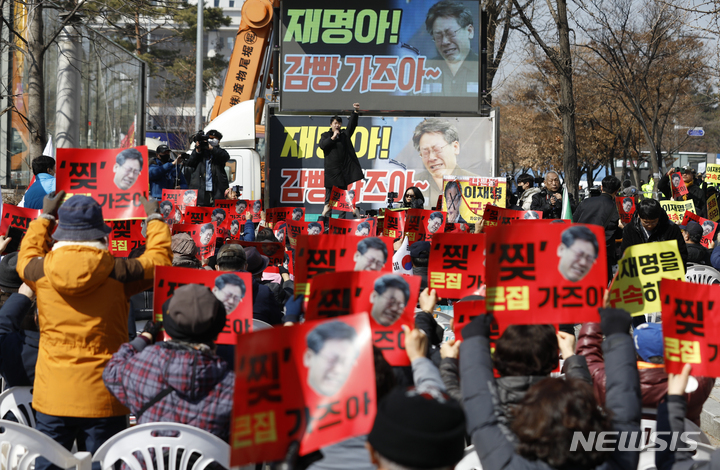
541,202
496,450
600,210
342,167
653,378
695,193
715,257
265,307
163,176
634,234
698,254
18,347
199,385
525,198
44,184
83,301
219,178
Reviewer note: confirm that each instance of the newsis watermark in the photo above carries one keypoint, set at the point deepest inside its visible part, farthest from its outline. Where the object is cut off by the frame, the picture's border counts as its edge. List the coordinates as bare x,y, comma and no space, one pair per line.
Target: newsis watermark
609,441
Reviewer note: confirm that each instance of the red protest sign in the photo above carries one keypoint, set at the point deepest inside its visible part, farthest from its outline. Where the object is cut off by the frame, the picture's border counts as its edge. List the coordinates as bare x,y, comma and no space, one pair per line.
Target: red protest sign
18,218
342,200
281,214
168,210
464,312
202,234
331,253
390,300
181,198
358,227
691,327
197,215
274,251
626,208
708,227
313,383
243,206
678,186
394,223
422,224
233,289
126,236
456,266
494,216
115,178
294,229
280,231
554,274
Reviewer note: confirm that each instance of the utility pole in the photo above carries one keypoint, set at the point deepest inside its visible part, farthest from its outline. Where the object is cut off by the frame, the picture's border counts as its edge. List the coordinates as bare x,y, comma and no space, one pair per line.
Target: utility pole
67,107
199,68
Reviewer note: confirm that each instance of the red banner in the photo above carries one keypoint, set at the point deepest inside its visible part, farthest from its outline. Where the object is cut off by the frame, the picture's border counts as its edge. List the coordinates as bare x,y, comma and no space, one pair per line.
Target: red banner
126,236
678,186
708,227
626,208
394,224
456,265
494,216
342,200
274,251
202,234
280,231
554,274
332,253
197,215
233,289
691,327
169,212
390,300
19,219
357,227
281,214
181,198
294,229
115,178
313,383
422,224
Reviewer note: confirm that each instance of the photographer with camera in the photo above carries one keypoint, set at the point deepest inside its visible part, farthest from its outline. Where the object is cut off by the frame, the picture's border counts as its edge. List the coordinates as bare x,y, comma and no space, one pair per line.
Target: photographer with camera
549,199
165,173
208,163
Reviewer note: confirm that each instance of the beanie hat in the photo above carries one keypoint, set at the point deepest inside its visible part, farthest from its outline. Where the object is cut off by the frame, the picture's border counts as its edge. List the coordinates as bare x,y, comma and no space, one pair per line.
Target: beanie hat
9,278
419,430
256,263
231,253
80,218
648,339
193,314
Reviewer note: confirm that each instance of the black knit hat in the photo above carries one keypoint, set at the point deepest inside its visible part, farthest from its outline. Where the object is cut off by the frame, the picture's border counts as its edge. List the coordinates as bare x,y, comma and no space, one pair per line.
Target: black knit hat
193,314
9,278
419,430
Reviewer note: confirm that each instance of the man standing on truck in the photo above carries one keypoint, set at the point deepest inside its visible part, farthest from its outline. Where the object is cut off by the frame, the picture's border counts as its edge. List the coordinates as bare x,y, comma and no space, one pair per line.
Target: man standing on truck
342,167
208,163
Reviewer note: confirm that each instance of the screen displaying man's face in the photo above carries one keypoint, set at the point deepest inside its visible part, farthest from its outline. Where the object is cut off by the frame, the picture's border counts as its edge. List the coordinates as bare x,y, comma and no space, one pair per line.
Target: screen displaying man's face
576,260
434,224
329,368
451,40
189,198
206,235
230,295
372,260
127,173
388,306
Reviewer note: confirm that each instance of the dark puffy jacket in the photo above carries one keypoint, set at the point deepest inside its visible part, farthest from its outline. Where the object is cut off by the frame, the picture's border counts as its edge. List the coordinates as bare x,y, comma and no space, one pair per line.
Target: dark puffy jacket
18,347
601,210
163,176
633,234
265,307
342,167
496,451
695,193
698,254
541,202
219,178
653,379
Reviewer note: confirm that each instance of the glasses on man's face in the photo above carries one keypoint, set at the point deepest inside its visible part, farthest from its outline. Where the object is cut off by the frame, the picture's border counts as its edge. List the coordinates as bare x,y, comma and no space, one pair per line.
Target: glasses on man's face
131,171
376,263
448,33
425,153
582,256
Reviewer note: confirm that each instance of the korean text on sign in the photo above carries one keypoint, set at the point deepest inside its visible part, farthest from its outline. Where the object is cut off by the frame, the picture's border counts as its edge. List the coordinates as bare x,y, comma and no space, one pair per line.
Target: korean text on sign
457,264
466,196
676,209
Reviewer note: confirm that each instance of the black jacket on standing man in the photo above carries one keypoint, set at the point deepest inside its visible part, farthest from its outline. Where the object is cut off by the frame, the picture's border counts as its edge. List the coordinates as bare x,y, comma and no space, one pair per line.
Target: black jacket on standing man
342,167
220,181
541,202
601,210
634,234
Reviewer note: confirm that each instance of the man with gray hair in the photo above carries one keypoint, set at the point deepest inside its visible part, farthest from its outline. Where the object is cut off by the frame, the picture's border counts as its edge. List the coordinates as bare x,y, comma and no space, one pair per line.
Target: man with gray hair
549,199
438,144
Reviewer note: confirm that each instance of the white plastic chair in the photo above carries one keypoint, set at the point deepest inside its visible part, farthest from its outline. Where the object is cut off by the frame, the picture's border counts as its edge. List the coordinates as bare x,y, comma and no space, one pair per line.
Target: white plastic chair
21,445
700,274
140,439
19,401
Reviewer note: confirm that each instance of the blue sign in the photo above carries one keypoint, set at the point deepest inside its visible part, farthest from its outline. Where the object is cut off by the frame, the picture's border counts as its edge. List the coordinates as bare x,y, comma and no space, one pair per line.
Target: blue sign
696,132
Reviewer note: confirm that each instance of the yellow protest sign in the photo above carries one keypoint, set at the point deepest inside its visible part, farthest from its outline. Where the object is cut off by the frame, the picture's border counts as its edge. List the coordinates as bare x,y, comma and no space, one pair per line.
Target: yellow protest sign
676,209
712,208
636,287
712,175
464,197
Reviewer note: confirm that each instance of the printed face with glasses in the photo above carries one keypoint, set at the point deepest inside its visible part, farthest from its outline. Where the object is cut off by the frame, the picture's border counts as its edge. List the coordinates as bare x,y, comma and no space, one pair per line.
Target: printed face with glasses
452,40
438,156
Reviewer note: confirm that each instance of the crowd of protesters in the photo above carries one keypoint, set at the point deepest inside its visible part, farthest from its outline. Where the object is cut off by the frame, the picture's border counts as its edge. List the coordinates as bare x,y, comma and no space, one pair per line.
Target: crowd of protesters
67,329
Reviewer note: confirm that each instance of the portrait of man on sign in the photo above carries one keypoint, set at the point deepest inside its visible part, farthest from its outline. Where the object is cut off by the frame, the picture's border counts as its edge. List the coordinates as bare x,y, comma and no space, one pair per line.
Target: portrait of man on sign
627,205
531,215
127,168
371,255
240,207
363,229
230,290
234,227
297,214
577,253
330,357
189,197
453,200
206,233
434,222
389,298
314,228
